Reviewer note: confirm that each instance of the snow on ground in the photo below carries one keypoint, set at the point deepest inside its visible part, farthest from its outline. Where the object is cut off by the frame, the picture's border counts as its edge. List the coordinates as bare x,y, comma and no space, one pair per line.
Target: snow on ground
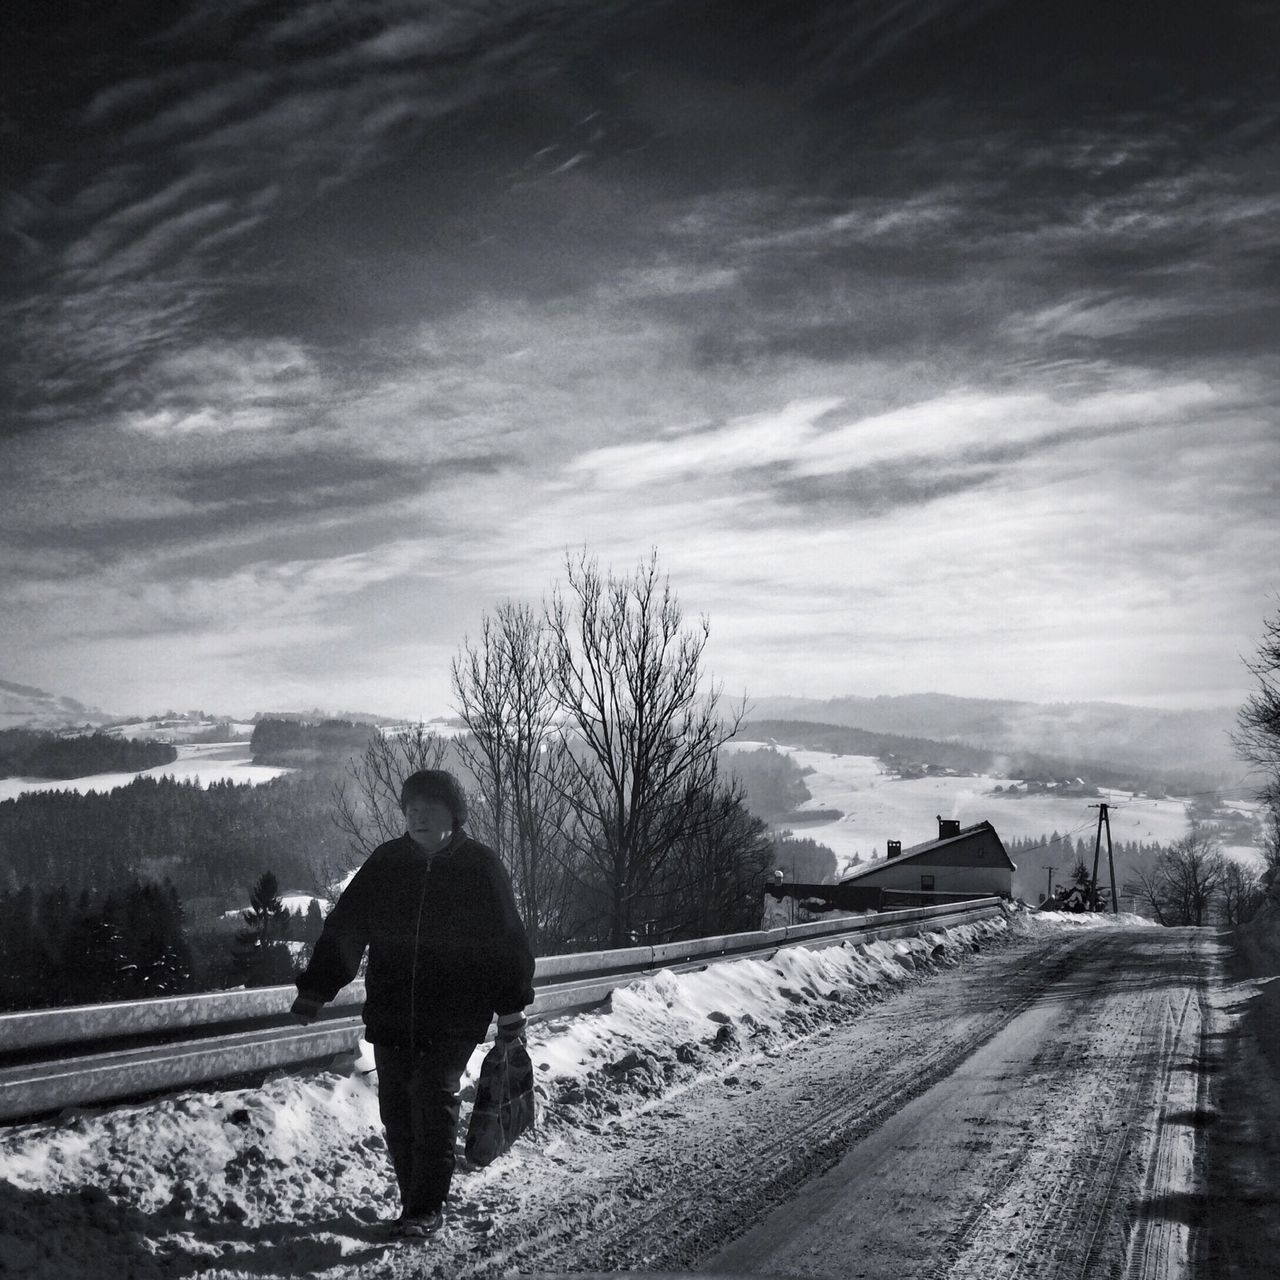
204,763
1248,856
877,807
291,901
203,1179
1090,920
302,902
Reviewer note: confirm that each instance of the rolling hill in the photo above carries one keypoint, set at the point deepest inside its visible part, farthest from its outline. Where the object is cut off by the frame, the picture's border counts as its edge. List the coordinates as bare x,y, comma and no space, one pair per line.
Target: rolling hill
1105,733
24,707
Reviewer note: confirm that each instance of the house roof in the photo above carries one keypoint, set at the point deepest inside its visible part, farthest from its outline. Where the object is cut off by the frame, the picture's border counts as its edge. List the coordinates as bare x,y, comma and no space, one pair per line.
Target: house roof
922,852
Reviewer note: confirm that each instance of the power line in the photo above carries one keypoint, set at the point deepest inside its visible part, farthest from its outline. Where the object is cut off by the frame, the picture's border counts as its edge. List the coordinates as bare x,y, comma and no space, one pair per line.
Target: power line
1049,843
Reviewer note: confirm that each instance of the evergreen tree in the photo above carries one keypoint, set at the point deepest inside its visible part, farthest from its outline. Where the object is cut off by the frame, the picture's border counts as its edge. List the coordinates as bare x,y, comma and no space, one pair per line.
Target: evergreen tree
261,956
314,923
93,966
17,947
157,953
804,860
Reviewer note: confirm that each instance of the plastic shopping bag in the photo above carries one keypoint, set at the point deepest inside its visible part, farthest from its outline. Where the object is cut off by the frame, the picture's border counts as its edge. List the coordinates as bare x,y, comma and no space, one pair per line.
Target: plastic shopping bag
504,1105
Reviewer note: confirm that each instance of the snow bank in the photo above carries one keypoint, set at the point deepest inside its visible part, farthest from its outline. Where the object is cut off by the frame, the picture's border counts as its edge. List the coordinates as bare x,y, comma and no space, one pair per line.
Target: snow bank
1083,920
669,1028
128,1187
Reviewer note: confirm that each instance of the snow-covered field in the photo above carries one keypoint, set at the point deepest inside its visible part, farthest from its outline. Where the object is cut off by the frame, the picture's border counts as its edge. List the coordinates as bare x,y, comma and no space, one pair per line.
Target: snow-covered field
876,807
292,1178
180,730
204,763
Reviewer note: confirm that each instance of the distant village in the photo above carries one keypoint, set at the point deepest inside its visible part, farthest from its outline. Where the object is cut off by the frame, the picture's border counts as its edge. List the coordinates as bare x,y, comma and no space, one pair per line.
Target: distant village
902,769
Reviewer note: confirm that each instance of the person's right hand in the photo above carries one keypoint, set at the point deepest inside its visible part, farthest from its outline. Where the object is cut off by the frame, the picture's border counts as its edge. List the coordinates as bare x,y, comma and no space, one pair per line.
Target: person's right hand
306,1009
511,1027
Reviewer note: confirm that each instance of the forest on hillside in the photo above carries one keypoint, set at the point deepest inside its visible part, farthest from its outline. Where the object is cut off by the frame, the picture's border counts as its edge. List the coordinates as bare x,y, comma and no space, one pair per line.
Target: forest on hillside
134,892
35,753
208,842
772,781
295,743
136,943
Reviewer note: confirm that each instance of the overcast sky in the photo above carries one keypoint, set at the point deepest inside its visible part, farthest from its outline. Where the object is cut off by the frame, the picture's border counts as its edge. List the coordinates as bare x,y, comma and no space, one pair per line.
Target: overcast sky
933,345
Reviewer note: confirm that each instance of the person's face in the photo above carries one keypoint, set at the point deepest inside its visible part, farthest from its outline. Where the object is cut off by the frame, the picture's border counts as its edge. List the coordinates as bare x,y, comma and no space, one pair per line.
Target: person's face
429,823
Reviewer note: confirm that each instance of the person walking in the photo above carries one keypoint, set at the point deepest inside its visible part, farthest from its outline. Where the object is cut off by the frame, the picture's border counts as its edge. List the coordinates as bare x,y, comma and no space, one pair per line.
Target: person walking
447,952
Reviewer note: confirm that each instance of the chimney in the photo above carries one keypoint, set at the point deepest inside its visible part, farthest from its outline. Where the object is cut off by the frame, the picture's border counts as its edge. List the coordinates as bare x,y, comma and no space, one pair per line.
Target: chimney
892,848
948,827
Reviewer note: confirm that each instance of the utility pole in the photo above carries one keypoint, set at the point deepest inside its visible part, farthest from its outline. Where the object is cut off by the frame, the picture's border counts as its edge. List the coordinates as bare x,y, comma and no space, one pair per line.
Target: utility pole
1104,820
1050,870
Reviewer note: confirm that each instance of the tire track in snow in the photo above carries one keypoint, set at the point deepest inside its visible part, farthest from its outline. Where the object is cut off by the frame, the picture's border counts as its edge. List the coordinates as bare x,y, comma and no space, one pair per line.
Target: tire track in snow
1041,1157
726,1166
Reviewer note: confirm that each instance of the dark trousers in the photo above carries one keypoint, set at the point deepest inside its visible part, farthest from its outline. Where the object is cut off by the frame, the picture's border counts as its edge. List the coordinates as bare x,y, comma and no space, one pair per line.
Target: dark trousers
418,1101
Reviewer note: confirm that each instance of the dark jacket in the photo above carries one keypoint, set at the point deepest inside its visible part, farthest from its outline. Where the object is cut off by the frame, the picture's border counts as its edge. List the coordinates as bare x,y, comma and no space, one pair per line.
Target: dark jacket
447,949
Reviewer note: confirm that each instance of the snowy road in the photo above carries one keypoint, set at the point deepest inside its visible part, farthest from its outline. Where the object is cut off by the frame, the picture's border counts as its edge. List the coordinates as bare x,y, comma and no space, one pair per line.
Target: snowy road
1025,1115
1021,1100
1041,1153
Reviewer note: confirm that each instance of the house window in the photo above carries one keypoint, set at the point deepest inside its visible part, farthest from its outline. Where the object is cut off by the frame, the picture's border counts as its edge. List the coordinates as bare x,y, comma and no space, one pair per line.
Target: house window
926,884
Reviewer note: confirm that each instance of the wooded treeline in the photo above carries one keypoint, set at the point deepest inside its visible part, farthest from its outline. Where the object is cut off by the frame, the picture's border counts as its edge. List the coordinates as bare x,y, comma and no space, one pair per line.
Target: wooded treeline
32,753
294,744
1189,882
136,943
57,948
123,894
772,781
209,843
1033,855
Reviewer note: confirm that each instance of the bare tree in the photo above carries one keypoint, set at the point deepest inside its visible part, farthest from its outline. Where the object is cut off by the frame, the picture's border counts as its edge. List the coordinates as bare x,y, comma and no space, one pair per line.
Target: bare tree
1241,893
1258,722
628,678
1257,740
1184,879
366,799
716,877
519,763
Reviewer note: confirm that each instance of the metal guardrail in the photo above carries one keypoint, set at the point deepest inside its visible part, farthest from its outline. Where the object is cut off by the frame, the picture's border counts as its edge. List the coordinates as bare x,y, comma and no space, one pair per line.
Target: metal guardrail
55,1058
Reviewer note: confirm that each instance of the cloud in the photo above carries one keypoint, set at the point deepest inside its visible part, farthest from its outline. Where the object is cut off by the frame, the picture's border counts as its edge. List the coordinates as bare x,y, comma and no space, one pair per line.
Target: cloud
230,386
131,238
805,454
136,601
864,221
1011,524
742,444
1100,316
875,490
863,329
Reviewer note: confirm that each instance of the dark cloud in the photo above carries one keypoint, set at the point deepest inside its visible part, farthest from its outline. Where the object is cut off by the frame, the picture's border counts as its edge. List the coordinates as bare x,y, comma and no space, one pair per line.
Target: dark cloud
876,490
226,515
240,169
882,488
